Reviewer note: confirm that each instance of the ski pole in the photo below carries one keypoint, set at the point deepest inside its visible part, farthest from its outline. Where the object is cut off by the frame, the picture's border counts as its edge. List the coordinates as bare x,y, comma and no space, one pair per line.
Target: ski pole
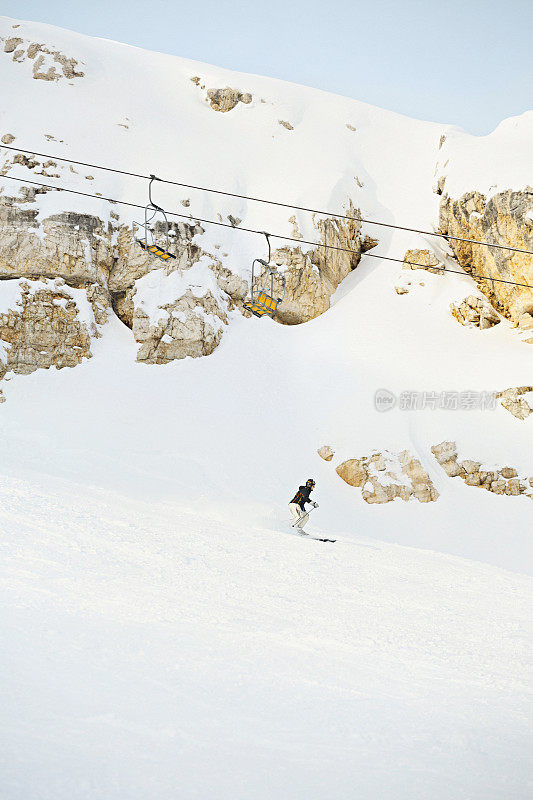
301,519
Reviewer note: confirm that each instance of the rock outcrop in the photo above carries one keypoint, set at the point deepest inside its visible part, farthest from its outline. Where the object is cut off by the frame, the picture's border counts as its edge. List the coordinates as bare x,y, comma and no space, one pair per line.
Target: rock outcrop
383,477
173,319
44,324
504,480
76,247
422,259
446,455
131,262
311,278
475,312
512,399
326,452
87,251
226,99
504,219
48,65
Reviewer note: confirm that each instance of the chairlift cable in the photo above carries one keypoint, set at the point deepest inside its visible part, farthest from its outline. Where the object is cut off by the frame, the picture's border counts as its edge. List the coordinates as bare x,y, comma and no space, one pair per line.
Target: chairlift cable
189,218
274,202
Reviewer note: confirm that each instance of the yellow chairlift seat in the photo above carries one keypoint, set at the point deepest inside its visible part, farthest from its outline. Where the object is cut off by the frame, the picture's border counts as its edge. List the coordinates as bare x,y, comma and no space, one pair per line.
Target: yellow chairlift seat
155,250
262,305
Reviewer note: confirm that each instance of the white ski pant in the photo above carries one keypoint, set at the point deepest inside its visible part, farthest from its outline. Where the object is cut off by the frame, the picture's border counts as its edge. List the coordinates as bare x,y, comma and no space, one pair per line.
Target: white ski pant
298,513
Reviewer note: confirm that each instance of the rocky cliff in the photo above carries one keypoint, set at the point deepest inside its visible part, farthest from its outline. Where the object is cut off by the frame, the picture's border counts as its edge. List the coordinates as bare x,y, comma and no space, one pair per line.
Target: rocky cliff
182,310
505,218
46,323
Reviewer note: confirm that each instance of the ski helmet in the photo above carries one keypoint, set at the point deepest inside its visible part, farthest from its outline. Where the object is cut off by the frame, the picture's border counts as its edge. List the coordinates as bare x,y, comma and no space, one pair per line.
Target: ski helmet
310,482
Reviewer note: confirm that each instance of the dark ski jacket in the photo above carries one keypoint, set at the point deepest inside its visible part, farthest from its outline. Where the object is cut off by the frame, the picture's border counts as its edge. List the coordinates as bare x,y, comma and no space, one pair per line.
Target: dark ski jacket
302,496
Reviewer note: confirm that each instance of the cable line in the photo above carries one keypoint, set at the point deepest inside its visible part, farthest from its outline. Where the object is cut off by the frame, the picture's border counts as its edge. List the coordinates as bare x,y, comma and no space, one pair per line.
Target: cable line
273,202
190,218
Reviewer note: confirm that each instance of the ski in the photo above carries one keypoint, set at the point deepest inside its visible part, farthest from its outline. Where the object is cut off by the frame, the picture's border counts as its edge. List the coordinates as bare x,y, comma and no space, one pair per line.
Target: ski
315,538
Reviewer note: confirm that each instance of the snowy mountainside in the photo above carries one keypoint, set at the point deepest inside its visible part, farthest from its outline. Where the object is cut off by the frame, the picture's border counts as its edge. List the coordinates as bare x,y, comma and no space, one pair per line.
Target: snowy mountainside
293,388
167,633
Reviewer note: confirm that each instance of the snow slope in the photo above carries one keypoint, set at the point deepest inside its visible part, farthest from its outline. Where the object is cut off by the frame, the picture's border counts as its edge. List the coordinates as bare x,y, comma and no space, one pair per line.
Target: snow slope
156,652
165,633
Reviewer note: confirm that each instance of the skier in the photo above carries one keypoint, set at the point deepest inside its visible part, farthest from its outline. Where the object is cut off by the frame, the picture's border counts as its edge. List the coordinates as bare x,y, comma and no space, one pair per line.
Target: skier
297,504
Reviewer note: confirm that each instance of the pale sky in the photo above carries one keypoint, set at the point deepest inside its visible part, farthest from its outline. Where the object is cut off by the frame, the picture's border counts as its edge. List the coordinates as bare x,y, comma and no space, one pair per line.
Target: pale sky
467,62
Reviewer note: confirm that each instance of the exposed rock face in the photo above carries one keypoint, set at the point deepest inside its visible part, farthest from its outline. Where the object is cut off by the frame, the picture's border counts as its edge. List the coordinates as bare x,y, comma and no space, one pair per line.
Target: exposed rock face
512,400
81,249
189,326
446,455
525,322
353,472
422,259
504,219
422,486
49,65
384,477
500,481
226,99
44,324
76,247
326,452
286,124
475,312
186,331
85,250
310,280
173,319
131,262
